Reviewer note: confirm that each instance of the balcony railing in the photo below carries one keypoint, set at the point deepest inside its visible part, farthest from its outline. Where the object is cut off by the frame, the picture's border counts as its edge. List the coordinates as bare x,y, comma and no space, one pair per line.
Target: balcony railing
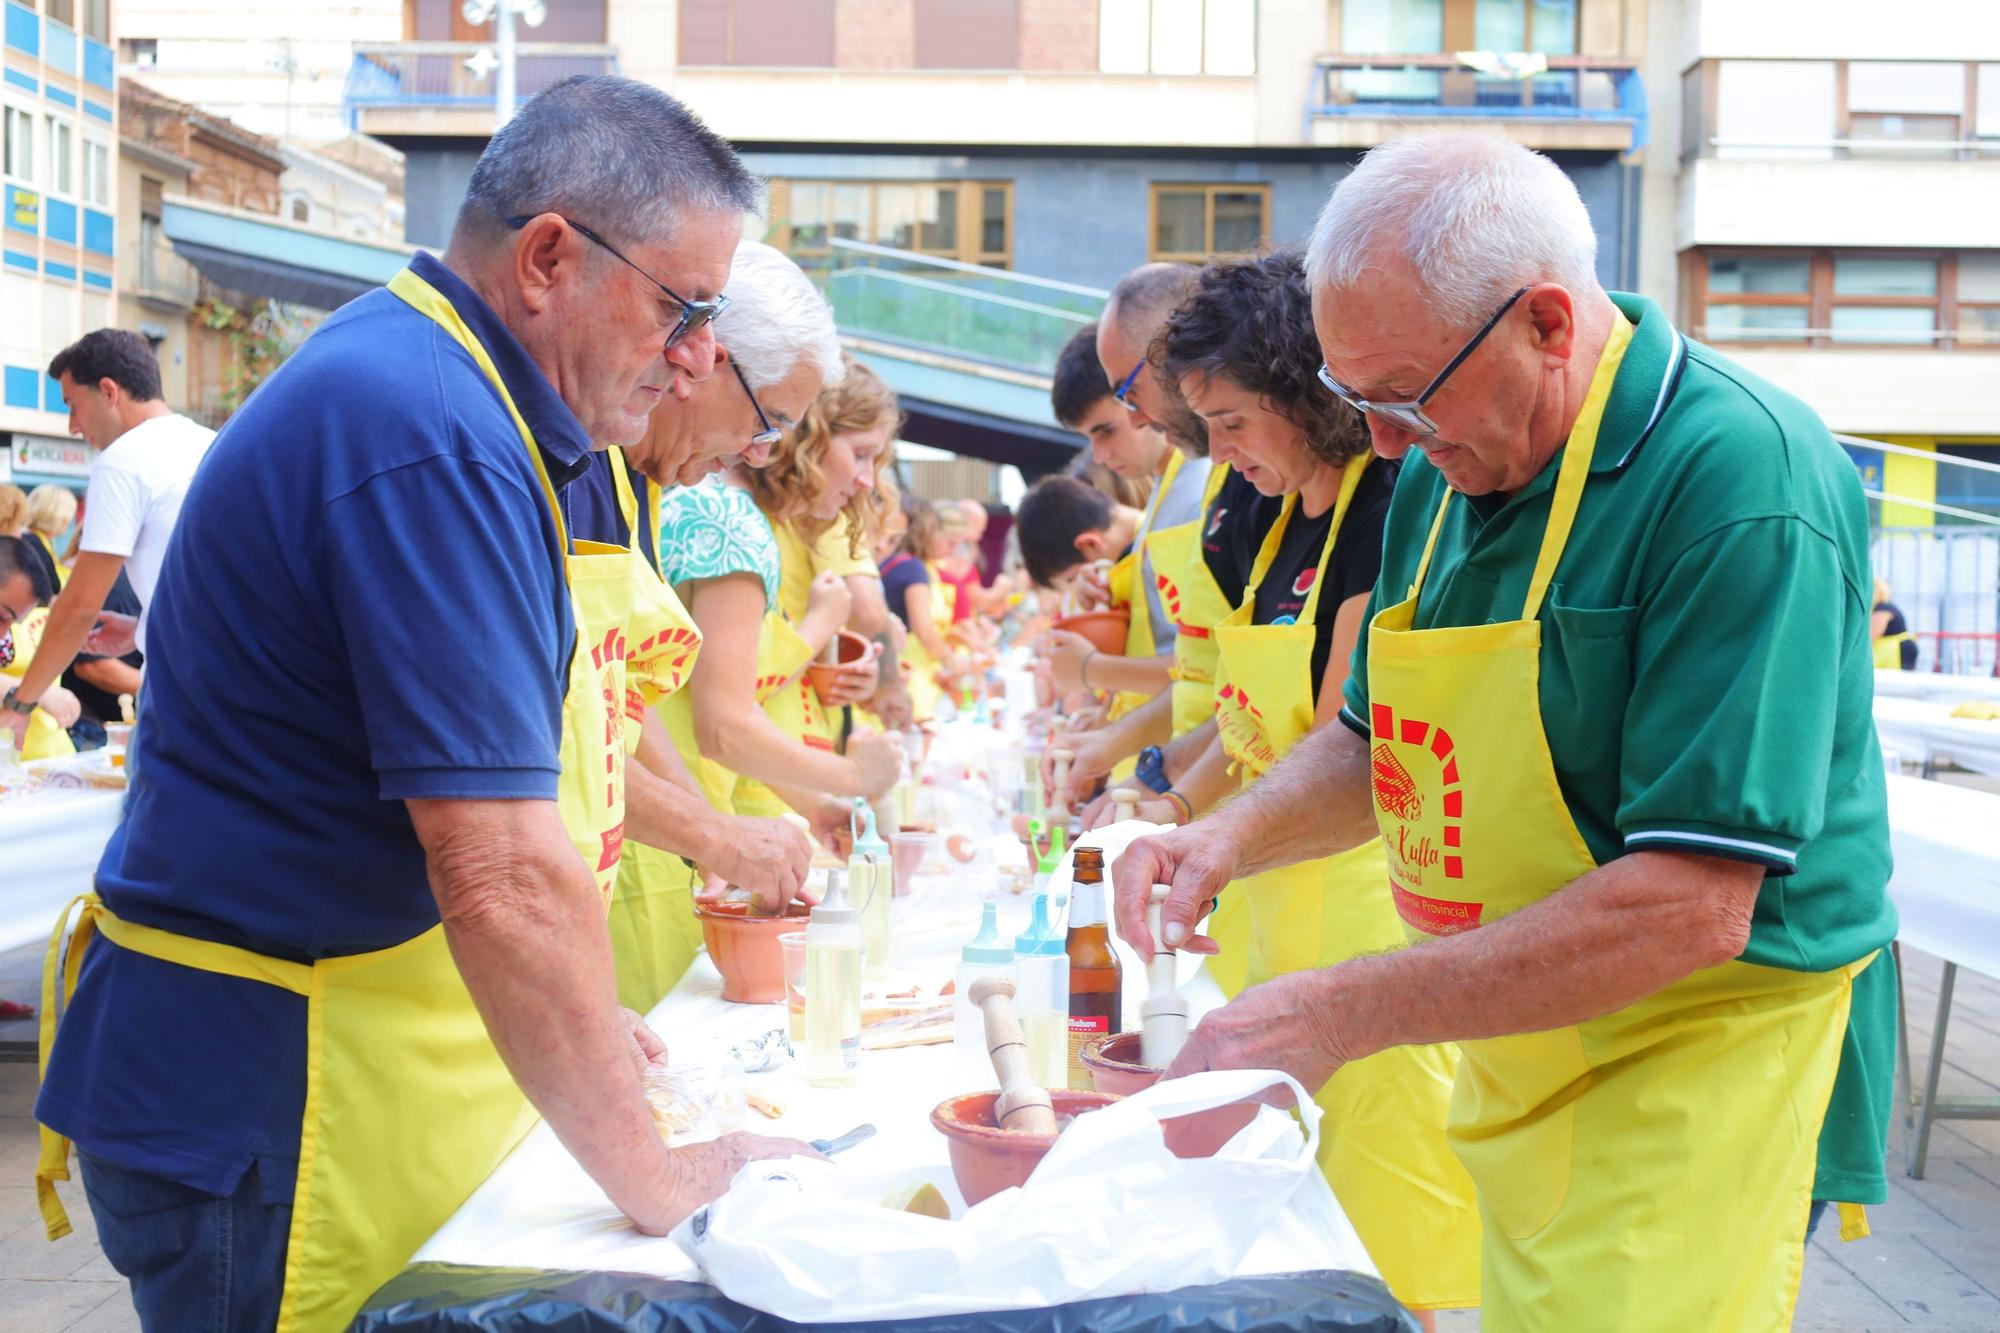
963,311
1479,84
1826,110
153,272
437,74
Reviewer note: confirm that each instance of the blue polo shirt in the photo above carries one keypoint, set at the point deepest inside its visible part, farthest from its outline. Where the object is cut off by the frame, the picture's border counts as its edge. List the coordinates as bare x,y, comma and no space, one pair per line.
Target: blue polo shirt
363,602
594,514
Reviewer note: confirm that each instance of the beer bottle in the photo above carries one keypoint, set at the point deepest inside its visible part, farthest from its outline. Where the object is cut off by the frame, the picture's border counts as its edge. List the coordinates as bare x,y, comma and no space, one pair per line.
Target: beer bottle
1094,971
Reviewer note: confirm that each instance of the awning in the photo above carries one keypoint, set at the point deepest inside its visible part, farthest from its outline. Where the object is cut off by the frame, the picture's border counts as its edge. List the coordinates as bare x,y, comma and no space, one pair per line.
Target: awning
260,256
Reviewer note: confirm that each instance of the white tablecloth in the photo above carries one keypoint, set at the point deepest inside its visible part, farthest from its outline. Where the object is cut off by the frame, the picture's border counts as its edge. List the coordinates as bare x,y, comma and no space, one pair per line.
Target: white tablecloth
1946,841
1935,685
50,842
1919,731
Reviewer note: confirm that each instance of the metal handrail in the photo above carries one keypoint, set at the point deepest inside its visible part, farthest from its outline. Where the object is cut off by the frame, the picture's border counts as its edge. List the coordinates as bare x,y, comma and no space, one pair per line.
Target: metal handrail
467,48
1971,514
1449,61
959,266
1989,145
1883,445
969,293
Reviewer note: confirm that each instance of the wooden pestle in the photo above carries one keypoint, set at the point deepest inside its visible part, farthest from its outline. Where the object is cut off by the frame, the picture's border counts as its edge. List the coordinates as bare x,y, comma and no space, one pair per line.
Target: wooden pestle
125,710
1163,1016
1058,800
1022,1105
1124,804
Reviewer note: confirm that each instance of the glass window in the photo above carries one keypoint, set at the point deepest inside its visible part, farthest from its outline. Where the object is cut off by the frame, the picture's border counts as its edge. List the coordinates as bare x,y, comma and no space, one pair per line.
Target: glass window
896,216
1979,325
301,211
1743,276
1979,275
1892,134
1177,36
1884,324
1988,124
1751,323
1500,25
58,316
97,19
993,222
62,156
808,215
849,214
96,174
1392,27
1239,222
937,219
1863,276
1180,223
62,11
1774,108
19,131
1905,85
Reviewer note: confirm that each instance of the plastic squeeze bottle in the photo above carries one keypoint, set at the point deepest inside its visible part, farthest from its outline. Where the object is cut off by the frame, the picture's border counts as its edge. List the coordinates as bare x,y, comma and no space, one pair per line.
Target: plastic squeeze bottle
833,988
1042,999
1095,975
871,878
987,954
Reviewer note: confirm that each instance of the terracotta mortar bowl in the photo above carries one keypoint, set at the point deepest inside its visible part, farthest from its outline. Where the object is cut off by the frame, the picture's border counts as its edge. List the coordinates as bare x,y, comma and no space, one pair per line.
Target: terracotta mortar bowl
1114,1067
851,648
746,950
1104,629
986,1159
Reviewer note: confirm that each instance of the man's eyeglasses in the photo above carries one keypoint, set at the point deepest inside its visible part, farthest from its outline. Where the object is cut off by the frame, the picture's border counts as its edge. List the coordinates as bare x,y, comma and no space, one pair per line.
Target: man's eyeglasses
694,314
1123,393
1409,417
769,435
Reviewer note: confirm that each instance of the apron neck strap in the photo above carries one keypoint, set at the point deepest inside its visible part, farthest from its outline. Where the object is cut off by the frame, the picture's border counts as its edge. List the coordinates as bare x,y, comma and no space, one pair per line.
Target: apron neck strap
628,503
429,301
1350,479
1268,552
1575,469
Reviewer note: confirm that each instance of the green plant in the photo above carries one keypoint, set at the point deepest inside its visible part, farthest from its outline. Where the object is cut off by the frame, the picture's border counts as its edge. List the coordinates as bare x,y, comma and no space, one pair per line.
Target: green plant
259,341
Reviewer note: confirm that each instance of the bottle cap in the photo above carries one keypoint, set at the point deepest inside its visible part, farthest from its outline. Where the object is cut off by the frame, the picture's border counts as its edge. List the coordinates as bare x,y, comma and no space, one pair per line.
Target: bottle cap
834,909
867,842
1052,859
1041,938
989,945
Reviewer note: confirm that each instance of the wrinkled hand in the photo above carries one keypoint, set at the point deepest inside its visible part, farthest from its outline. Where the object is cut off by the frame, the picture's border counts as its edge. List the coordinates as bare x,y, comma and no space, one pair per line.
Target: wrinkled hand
1198,861
1286,1023
769,857
703,1171
647,1048
1067,652
1093,759
61,705
854,682
829,597
114,635
1098,813
878,761
831,826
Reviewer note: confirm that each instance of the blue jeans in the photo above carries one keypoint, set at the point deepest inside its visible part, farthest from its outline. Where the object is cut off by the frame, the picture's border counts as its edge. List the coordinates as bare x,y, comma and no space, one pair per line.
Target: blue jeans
197,1262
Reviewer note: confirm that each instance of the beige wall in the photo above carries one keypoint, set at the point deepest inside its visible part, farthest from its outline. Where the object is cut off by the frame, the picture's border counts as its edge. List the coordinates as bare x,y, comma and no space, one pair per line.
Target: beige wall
174,353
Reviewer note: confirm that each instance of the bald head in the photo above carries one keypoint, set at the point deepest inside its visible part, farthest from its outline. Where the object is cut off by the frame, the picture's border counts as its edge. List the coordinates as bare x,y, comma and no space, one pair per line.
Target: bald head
1143,298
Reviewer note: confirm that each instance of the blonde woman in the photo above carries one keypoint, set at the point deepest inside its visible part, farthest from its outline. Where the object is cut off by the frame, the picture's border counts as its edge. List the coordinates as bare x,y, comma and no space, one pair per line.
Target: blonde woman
51,510
738,550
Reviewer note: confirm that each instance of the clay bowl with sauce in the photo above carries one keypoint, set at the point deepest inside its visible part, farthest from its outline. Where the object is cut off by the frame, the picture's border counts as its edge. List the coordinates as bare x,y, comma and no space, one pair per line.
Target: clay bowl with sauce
851,648
745,948
1104,629
986,1159
1114,1068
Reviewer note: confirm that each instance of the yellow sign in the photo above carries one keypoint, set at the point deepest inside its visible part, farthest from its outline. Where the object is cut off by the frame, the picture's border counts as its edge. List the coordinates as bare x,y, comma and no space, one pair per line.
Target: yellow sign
24,209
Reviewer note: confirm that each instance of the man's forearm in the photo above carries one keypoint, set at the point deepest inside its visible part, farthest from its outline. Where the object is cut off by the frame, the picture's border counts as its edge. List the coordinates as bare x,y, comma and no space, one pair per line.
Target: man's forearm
1207,782
1314,803
109,674
1606,940
669,815
526,929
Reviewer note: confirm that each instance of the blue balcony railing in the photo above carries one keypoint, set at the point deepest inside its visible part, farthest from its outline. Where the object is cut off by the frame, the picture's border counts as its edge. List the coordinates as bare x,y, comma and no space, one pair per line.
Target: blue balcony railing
443,74
1479,85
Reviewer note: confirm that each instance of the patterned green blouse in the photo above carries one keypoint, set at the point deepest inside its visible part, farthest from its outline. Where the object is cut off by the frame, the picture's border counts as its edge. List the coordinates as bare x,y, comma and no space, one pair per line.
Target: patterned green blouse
712,529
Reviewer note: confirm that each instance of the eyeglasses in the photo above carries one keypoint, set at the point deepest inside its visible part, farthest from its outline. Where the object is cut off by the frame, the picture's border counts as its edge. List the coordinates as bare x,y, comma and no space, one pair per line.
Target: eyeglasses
694,314
1410,416
1124,389
770,434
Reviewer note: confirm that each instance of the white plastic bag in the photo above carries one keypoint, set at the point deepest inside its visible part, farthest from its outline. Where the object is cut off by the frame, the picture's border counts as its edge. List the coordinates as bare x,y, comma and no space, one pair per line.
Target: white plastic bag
1109,1212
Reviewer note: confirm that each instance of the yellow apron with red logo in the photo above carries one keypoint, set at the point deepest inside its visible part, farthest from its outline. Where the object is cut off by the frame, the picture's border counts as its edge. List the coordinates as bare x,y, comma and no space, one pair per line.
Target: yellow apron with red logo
654,932
45,739
1384,1151
383,1161
1647,1170
782,658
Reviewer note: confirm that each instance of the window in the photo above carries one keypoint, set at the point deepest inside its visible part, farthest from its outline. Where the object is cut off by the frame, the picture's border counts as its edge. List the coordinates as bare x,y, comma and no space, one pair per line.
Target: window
96,174
301,210
62,156
1822,298
1896,107
141,51
1931,110
969,221
96,19
62,11
1192,223
1546,27
1775,108
967,34
1177,36
18,127
776,33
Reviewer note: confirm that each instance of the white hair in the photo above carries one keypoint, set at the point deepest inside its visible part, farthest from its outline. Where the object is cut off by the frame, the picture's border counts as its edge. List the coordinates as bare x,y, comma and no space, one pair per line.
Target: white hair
1476,216
776,319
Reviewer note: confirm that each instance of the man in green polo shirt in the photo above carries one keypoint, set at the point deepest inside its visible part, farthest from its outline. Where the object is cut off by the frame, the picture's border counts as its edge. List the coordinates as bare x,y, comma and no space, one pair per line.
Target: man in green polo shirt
1612,717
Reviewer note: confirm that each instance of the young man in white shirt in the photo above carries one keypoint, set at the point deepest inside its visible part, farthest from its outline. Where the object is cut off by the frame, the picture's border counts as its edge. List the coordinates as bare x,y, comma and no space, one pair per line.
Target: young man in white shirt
147,455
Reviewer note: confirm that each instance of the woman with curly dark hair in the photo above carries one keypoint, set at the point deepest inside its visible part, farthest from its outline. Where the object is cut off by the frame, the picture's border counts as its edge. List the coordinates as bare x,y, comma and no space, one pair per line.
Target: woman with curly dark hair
1243,352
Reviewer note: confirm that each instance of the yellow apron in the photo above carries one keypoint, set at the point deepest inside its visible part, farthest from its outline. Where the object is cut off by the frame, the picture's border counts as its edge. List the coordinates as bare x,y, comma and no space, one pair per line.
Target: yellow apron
654,932
1889,651
1650,1169
919,669
1126,581
49,549
1384,1152
45,740
383,1163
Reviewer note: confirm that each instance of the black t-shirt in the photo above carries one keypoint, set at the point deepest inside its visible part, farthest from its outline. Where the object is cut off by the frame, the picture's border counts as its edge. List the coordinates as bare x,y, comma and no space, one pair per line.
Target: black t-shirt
900,573
1233,527
1898,624
102,704
1356,563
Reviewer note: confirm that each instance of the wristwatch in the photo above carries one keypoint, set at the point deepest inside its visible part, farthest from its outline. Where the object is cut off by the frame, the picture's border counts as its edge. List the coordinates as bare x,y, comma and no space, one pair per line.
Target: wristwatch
21,706
1152,769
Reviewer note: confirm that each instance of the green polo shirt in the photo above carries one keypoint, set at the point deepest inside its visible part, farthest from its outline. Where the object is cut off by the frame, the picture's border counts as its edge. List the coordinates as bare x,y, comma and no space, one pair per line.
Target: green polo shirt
1706,674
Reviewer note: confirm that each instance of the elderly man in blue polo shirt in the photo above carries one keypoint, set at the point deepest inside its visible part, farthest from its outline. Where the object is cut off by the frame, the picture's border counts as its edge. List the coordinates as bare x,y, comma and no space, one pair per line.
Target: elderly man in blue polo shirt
347,946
